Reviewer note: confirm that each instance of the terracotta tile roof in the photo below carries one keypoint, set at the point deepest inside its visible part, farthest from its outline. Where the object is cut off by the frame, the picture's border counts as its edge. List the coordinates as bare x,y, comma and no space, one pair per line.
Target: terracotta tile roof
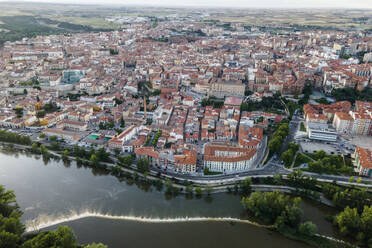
243,153
365,157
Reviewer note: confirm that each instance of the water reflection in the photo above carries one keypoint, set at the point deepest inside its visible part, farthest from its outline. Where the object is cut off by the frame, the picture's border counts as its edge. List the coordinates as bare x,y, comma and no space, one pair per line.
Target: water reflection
57,188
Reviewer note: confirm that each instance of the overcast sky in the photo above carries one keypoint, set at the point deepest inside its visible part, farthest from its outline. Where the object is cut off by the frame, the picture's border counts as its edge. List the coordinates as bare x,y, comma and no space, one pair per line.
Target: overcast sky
230,3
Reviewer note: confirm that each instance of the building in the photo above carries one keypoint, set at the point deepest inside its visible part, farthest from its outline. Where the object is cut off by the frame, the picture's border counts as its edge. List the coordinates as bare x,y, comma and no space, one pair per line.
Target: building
316,118
343,122
363,161
72,76
63,134
72,125
221,88
362,123
186,162
228,159
321,131
118,141
233,101
148,153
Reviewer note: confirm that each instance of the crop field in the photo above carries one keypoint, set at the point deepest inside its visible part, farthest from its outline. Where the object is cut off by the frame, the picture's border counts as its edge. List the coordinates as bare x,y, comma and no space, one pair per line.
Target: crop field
95,22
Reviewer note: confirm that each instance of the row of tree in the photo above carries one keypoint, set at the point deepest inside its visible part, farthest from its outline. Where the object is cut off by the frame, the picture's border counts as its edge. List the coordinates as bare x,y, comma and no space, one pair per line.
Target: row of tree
328,164
10,137
352,94
289,155
275,144
157,136
344,197
270,104
212,101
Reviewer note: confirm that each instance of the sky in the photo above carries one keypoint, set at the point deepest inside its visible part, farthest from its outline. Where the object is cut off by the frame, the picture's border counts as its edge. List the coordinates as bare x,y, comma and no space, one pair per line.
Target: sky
228,3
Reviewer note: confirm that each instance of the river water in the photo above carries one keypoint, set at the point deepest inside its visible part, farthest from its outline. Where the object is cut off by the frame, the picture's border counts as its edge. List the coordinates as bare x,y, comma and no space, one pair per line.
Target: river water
101,208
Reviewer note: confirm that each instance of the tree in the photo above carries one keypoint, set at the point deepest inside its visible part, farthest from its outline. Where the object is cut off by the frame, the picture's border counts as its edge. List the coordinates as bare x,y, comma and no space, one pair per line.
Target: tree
274,208
198,191
278,179
348,221
25,92
359,180
190,189
143,165
351,179
320,154
94,160
308,229
208,189
117,151
355,225
9,213
102,155
44,150
126,161
113,51
366,224
40,114
54,146
287,157
65,155
122,122
11,137
63,237
245,186
34,147
19,112
168,186
275,144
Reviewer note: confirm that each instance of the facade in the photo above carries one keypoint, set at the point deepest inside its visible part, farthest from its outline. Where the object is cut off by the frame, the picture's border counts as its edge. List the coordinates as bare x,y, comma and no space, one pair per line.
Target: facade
363,161
343,122
221,88
186,163
118,141
63,134
228,159
362,123
316,118
72,76
321,131
72,125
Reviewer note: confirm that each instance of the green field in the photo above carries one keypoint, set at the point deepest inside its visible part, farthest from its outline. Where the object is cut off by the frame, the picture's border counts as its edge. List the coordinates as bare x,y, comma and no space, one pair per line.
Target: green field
18,27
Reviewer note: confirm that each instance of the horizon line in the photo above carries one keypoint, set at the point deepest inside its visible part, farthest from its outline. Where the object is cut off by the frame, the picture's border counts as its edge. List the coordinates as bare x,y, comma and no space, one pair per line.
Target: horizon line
182,6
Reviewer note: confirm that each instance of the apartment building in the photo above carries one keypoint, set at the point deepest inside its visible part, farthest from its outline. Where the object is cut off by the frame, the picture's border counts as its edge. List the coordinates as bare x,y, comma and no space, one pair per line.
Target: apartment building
227,159
343,122
363,161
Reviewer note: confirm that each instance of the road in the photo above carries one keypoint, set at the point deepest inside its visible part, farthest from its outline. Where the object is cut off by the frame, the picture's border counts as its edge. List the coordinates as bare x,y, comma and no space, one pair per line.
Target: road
293,127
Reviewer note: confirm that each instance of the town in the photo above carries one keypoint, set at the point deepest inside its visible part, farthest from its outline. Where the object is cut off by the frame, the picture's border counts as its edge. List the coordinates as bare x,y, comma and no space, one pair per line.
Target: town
194,97
207,123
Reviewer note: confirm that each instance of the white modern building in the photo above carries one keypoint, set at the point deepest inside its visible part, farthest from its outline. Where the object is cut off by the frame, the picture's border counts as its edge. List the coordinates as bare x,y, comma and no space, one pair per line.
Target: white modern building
321,131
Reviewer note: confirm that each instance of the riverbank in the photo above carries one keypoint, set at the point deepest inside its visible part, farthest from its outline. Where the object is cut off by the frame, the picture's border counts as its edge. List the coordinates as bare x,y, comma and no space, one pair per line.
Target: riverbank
115,215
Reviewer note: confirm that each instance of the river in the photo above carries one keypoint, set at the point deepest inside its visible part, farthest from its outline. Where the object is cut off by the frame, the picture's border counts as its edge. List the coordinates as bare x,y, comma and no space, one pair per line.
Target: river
101,208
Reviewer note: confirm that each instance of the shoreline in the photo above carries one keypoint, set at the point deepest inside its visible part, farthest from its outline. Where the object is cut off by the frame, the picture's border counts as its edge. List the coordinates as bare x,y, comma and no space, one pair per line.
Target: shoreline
35,225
